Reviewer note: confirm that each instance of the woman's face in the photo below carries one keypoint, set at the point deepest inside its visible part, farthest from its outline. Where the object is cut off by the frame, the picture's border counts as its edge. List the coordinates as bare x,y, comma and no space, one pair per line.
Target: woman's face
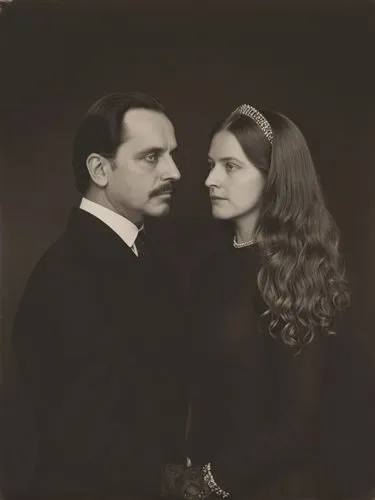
235,184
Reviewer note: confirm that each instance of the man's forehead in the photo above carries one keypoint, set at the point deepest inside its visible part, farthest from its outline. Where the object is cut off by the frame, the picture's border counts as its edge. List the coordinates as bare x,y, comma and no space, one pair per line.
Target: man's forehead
148,125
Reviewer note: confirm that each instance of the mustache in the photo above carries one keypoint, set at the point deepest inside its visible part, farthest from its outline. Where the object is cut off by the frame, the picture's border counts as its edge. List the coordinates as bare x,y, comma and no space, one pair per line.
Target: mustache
165,188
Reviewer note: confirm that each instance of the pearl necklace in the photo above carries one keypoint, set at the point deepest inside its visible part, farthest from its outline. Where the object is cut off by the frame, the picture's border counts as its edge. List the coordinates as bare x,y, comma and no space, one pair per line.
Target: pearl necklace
243,244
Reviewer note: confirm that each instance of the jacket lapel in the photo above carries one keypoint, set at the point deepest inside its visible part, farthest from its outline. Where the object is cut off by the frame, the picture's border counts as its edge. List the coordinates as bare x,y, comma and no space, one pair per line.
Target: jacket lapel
96,239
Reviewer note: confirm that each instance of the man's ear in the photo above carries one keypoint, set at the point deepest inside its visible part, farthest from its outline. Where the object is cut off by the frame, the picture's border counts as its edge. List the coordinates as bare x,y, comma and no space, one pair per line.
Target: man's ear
97,167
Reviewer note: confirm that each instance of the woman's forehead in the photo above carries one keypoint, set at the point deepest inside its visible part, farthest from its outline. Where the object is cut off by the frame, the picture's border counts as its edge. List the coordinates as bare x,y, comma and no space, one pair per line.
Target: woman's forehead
224,144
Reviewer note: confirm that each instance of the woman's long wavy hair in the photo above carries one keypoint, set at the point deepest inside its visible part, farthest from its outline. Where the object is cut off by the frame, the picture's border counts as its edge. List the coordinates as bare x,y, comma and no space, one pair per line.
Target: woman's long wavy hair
302,276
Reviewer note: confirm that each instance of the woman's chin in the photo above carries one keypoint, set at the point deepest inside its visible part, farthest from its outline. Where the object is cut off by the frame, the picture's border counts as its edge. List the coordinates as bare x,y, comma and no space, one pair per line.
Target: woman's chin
220,214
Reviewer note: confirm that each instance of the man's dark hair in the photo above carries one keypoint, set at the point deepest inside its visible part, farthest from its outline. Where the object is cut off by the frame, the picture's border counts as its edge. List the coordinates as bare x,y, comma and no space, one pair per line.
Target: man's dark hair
102,130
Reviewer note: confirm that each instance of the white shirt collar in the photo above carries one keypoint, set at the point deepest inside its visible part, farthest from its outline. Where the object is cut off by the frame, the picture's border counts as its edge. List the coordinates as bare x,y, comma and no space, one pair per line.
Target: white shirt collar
123,227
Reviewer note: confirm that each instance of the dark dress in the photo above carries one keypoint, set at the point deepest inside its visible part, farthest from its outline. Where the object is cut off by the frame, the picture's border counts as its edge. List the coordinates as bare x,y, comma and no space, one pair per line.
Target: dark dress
257,407
100,344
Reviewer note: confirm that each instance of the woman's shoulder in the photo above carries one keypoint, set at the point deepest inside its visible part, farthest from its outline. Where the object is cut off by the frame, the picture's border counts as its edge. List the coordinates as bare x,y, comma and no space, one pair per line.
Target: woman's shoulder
226,270
211,263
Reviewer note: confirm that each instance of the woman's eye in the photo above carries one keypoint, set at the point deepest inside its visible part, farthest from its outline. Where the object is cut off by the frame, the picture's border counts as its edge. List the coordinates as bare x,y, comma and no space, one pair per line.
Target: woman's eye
230,166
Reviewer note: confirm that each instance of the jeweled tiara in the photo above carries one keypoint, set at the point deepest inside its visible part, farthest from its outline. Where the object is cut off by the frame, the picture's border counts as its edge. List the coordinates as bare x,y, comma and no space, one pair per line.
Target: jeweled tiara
259,119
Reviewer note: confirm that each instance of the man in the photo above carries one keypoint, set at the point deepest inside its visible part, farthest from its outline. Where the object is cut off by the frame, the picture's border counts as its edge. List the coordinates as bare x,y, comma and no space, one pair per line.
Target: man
97,334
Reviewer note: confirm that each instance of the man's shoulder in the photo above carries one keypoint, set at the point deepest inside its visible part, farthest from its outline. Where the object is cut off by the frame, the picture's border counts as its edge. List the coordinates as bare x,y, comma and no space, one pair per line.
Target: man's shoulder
59,255
60,264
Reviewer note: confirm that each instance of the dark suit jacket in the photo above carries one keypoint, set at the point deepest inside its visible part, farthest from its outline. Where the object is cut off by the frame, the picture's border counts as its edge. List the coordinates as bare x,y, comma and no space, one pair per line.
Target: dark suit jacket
99,343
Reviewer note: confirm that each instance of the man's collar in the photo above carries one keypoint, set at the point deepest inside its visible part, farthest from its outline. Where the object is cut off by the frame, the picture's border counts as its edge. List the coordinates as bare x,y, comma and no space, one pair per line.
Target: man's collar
122,226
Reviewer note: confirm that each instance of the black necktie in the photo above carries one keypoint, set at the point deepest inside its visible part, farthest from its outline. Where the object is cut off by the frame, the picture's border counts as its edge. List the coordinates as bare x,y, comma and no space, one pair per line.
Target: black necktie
142,245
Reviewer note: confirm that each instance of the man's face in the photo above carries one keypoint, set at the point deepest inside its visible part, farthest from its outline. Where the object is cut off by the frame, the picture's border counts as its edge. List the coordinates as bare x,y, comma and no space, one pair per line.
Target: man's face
141,180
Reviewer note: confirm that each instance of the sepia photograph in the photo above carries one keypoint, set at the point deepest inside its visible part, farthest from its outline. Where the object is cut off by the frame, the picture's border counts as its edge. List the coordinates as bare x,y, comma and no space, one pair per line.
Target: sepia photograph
187,241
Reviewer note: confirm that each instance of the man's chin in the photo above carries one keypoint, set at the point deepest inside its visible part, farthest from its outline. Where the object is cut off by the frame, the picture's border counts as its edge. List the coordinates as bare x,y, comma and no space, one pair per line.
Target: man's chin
159,211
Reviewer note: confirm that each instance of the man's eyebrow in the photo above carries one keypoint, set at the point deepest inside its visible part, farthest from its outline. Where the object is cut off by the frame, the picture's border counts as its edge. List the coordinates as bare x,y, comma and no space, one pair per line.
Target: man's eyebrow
156,150
150,150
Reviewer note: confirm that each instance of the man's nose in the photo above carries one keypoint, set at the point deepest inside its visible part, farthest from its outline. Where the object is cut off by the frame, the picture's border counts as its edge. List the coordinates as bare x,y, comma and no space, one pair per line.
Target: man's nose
171,171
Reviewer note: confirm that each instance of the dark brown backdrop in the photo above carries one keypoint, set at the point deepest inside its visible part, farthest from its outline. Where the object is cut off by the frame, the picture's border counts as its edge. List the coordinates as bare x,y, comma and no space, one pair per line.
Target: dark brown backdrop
310,60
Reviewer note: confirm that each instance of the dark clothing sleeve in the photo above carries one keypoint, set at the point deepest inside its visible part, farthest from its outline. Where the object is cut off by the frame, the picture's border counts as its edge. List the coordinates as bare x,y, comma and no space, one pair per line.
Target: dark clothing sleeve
292,435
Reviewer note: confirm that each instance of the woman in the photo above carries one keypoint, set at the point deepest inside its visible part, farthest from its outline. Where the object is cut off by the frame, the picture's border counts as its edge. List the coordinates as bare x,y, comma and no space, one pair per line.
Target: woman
264,319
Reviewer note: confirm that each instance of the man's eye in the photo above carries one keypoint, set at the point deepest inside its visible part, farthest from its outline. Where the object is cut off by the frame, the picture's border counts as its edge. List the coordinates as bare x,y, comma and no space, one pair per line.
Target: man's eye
211,165
151,157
